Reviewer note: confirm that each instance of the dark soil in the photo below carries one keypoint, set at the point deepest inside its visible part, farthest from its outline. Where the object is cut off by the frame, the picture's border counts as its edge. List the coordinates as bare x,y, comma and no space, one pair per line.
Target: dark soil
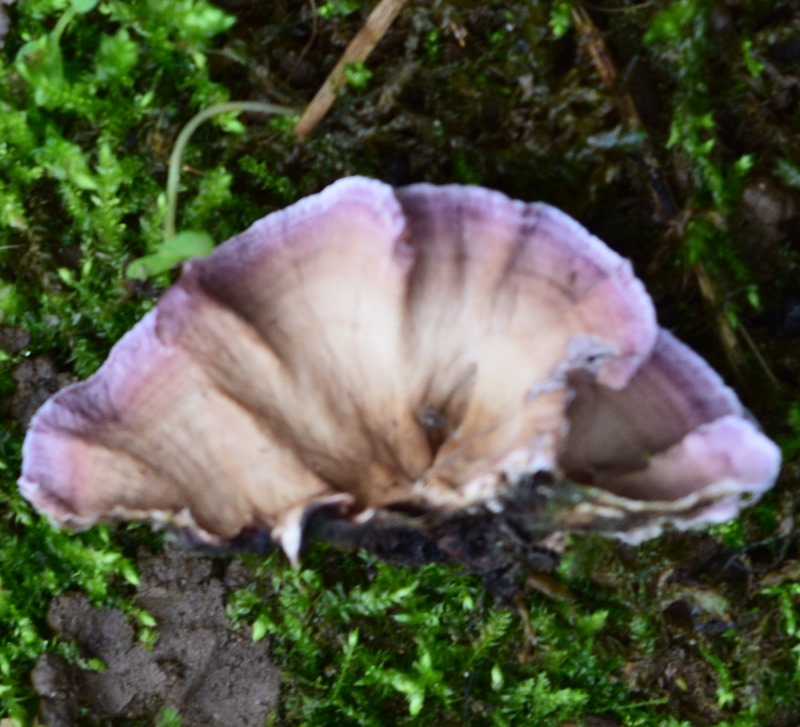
37,379
197,667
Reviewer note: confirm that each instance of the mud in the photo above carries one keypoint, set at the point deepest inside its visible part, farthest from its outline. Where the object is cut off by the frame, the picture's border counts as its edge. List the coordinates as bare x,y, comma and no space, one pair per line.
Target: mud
198,667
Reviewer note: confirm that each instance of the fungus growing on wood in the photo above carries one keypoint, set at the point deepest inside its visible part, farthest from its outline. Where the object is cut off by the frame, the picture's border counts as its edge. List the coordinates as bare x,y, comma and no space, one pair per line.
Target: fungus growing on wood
370,350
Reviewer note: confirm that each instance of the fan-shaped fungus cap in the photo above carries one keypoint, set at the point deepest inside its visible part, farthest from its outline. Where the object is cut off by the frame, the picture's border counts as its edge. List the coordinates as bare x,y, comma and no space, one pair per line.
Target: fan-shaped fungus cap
371,347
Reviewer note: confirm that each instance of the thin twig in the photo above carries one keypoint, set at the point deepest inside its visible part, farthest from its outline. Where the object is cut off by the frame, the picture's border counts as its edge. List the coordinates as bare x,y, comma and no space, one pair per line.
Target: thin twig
359,49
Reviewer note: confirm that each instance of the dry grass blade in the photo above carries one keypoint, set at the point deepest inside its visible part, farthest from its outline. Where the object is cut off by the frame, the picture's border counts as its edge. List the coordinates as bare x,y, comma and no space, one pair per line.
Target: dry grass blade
359,49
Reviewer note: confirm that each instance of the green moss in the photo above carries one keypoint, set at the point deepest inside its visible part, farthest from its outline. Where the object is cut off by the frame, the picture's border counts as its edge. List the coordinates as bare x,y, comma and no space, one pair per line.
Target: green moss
358,639
680,36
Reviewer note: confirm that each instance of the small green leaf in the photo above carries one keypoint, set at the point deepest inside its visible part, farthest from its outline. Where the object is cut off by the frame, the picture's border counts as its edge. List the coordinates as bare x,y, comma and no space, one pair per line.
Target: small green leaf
497,677
184,246
671,23
66,162
753,297
205,21
337,7
230,124
357,75
754,66
260,627
413,690
84,6
146,618
96,664
168,717
188,244
743,164
128,571
67,277
10,299
116,57
148,638
560,20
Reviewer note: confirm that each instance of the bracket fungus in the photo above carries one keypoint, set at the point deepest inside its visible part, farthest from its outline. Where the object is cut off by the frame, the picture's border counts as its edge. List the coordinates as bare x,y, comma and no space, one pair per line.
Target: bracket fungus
372,352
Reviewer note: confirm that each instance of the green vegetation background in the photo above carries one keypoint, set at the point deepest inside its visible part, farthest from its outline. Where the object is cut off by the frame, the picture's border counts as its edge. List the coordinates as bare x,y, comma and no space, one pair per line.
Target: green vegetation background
690,629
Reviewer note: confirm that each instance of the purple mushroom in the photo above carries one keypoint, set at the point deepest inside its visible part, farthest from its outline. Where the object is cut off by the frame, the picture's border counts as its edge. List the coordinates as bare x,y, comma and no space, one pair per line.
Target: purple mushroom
373,348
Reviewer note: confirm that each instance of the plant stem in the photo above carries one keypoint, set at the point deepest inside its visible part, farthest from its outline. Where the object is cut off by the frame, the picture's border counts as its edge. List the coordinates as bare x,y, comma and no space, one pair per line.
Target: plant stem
174,174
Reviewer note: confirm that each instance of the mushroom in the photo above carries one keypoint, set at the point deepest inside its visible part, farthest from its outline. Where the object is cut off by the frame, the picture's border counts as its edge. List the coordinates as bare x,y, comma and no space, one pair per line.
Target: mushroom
674,445
370,349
